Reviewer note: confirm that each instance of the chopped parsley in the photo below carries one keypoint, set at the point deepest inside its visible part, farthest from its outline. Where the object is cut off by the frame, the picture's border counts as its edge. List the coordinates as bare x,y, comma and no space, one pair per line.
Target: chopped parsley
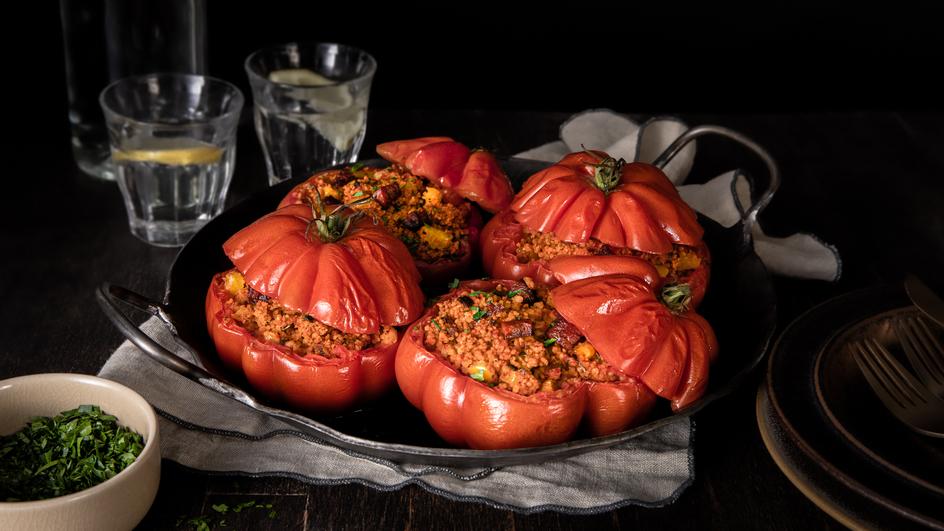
549,342
55,456
357,193
477,313
513,292
436,324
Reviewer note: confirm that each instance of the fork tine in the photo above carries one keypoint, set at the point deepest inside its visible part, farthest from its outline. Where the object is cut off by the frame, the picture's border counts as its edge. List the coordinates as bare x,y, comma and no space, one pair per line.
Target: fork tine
935,353
917,350
889,394
913,390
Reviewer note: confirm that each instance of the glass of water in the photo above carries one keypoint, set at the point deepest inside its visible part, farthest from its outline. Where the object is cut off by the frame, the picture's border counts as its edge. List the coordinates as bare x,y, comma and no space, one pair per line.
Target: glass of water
310,105
173,144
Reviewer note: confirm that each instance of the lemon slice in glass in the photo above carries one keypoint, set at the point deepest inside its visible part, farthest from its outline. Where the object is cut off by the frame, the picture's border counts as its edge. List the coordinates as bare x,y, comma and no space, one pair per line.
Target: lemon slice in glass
302,77
173,153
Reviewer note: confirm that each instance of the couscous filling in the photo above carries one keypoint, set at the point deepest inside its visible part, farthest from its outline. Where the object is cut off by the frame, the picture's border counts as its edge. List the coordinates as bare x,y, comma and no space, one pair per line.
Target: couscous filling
411,208
268,321
673,266
513,339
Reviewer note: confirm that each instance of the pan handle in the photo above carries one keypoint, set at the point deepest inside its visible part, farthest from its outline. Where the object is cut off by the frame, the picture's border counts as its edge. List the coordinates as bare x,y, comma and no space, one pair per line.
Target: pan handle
773,182
107,296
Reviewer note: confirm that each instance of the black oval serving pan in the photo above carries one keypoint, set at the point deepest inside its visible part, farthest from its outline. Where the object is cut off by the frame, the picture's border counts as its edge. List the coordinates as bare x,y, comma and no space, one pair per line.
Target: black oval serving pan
740,305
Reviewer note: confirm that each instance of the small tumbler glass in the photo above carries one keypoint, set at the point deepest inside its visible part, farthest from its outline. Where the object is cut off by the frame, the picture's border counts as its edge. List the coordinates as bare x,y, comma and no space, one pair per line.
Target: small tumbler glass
173,144
310,105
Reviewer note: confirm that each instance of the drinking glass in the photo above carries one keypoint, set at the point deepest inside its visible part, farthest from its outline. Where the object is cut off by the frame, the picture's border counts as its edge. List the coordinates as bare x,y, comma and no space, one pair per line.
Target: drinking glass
310,105
173,144
106,40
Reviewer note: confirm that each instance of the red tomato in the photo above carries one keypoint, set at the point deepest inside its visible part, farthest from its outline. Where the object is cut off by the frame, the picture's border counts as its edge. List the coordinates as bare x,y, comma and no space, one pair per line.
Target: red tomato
344,272
309,383
362,280
590,195
465,412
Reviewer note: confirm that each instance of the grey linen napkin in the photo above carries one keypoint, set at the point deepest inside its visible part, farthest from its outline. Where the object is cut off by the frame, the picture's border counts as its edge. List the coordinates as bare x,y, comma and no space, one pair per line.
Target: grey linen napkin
208,431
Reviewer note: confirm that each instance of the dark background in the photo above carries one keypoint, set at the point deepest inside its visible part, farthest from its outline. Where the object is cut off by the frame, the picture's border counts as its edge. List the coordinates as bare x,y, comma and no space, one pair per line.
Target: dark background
490,55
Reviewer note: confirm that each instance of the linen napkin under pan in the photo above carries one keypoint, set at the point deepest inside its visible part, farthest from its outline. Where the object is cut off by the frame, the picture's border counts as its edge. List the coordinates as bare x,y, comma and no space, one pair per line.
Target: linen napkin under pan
208,431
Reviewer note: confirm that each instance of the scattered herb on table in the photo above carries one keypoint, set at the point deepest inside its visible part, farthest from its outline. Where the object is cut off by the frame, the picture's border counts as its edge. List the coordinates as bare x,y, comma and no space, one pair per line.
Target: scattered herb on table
55,456
205,523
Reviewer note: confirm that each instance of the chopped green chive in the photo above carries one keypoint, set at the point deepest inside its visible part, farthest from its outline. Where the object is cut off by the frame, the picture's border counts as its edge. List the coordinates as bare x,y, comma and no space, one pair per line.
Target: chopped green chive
513,292
357,166
357,193
436,324
549,342
477,313
221,508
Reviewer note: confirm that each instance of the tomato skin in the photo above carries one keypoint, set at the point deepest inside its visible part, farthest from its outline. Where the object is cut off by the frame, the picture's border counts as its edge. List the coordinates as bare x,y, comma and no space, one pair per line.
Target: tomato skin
669,352
501,235
363,280
465,412
643,211
311,383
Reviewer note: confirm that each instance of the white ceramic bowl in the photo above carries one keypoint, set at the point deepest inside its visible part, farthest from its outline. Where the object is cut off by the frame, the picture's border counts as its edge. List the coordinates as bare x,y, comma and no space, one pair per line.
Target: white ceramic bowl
118,503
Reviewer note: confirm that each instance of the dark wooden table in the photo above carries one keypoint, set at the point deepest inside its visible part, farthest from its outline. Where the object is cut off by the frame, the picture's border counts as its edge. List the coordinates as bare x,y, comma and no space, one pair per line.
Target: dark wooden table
870,183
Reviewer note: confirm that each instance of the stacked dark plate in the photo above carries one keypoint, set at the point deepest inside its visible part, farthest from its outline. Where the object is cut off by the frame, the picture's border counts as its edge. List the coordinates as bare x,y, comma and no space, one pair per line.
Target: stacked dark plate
831,435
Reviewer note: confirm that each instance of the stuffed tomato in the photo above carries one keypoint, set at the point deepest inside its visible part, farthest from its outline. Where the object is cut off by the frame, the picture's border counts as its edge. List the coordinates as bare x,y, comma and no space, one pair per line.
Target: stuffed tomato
310,311
510,364
493,365
589,205
425,198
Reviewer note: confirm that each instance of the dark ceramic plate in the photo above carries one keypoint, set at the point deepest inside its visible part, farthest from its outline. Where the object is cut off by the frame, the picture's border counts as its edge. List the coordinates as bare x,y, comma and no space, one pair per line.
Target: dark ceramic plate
808,368
740,305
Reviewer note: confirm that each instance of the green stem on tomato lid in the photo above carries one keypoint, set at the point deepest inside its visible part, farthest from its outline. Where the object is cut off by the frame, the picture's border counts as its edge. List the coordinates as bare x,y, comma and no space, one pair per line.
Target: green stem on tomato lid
331,226
676,297
607,173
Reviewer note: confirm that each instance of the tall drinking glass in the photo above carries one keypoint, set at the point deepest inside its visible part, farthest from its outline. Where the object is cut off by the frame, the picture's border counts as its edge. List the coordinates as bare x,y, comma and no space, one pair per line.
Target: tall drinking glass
173,144
310,105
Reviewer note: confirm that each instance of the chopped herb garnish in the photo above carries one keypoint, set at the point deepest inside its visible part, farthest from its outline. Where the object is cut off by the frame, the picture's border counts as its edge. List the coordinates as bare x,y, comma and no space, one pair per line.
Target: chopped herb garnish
357,166
549,342
55,456
436,324
485,294
357,193
454,284
478,313
513,292
204,523
245,505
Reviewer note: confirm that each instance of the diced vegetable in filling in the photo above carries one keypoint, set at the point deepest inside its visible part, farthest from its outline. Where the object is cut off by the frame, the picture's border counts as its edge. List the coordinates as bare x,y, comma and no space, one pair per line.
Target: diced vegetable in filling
266,320
411,208
513,339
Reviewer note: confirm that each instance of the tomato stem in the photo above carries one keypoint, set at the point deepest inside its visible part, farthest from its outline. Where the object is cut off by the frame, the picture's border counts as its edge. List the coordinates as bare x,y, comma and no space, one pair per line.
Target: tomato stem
607,173
331,226
676,297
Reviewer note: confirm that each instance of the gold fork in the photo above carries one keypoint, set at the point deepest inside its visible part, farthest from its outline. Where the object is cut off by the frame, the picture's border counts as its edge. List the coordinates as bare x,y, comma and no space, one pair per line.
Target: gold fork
904,395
